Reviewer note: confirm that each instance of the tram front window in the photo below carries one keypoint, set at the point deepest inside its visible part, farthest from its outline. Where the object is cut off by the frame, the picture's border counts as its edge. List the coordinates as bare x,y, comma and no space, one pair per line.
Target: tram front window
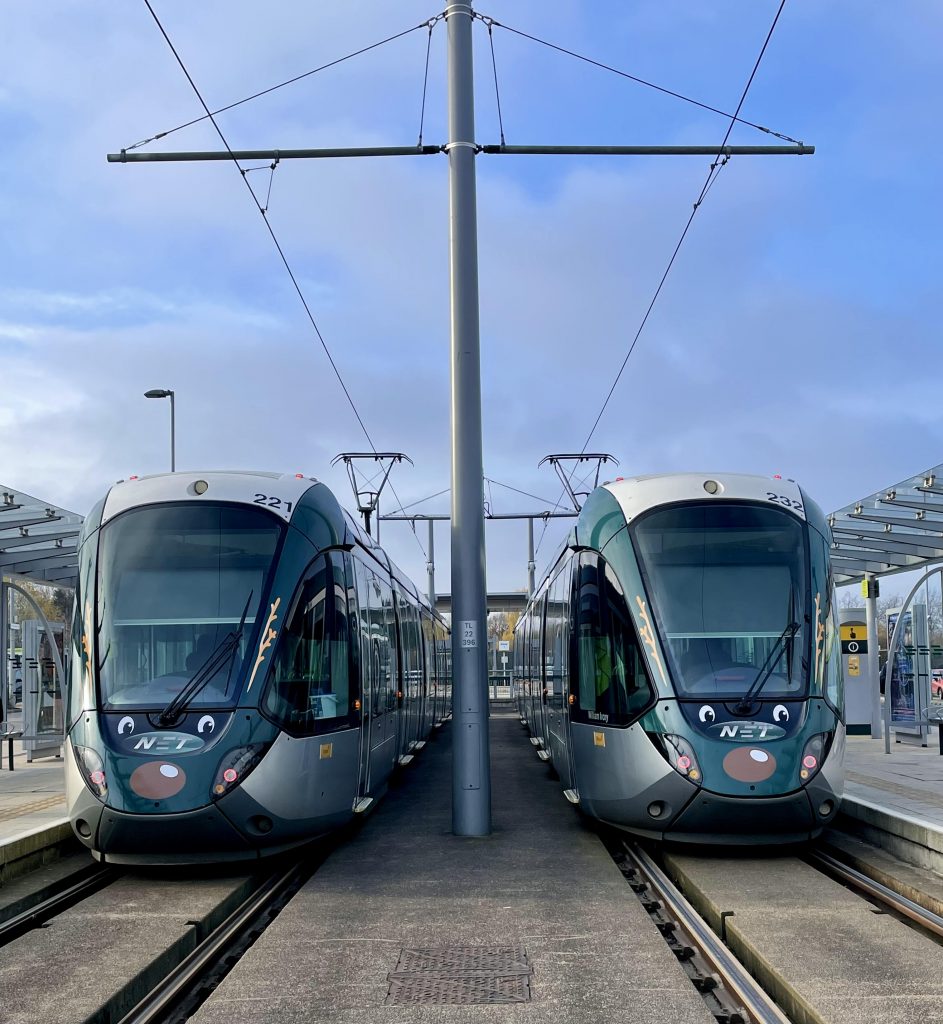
174,582
730,593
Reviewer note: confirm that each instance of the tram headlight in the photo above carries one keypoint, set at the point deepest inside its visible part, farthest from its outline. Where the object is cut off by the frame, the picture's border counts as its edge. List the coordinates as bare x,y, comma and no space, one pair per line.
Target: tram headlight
681,757
92,768
813,754
235,766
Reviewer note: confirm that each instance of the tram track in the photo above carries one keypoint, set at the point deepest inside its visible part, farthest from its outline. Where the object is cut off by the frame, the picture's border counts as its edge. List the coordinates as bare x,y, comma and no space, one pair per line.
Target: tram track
177,996
862,883
179,975
88,882
727,987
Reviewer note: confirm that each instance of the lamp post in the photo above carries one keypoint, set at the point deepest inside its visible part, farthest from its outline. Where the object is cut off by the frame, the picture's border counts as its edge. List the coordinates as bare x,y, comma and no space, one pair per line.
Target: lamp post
165,393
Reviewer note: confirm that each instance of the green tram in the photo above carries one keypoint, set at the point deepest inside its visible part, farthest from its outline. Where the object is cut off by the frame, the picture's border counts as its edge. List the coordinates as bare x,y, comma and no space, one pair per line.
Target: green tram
249,667
679,664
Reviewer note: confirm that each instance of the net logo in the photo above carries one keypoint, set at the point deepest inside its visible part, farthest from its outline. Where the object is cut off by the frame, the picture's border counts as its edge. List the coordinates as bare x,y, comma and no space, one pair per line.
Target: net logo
151,743
752,732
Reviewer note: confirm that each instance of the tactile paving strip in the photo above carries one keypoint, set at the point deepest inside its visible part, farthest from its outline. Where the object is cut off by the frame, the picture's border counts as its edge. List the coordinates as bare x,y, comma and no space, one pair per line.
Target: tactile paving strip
461,974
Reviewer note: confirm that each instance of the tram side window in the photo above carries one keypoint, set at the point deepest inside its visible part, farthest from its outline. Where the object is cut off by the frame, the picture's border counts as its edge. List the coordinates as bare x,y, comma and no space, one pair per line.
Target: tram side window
612,686
310,690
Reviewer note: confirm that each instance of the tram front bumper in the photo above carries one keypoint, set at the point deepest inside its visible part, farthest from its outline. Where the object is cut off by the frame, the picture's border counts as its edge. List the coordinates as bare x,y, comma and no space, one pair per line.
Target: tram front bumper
200,836
713,818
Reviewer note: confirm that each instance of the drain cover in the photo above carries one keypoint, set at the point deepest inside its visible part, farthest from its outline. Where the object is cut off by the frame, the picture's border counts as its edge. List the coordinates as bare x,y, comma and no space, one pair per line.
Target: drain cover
461,974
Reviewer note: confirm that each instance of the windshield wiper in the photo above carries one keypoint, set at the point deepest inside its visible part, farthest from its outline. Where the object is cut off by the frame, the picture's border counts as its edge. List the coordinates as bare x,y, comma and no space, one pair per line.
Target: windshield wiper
766,669
224,650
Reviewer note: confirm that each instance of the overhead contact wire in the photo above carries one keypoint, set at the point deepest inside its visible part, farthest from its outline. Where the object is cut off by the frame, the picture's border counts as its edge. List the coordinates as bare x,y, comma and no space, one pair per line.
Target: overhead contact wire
715,168
639,81
281,253
264,92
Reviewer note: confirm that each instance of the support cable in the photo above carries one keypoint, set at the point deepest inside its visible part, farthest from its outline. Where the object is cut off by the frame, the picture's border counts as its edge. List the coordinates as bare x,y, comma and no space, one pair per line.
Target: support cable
634,78
281,252
268,226
517,490
425,83
340,60
494,68
715,168
422,501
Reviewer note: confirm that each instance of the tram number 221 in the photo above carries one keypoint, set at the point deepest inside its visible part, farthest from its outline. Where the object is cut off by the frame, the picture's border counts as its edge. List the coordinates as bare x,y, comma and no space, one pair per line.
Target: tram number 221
271,502
787,502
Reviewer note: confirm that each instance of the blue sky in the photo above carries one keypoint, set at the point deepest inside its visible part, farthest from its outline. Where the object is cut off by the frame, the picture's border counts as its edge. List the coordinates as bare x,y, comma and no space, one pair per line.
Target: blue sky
797,334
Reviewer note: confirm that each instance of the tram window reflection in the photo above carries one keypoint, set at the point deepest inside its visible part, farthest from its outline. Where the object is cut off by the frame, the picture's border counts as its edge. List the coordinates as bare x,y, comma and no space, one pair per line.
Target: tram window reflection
730,591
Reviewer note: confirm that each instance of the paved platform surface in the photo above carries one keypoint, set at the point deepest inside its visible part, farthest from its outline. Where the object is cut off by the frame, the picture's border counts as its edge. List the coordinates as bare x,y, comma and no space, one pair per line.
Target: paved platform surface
542,881
907,781
32,795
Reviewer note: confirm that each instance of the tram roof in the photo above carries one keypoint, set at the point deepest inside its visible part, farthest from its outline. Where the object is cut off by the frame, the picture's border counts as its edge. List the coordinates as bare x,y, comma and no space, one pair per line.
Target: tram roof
897,529
38,540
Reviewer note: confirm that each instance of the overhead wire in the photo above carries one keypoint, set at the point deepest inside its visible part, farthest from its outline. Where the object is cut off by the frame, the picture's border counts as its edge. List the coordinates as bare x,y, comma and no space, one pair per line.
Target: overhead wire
719,163
211,116
425,83
290,81
634,78
494,67
517,490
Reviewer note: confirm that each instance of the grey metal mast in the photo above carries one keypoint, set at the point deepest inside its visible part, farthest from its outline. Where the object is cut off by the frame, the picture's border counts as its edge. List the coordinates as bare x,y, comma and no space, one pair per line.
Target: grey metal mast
471,781
471,775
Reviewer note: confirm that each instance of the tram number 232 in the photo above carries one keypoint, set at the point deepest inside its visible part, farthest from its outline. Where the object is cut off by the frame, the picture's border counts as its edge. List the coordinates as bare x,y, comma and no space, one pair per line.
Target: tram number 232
782,499
272,502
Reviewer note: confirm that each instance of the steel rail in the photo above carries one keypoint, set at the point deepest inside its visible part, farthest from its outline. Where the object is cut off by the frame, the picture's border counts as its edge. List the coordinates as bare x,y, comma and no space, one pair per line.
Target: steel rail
55,904
907,907
175,985
759,1006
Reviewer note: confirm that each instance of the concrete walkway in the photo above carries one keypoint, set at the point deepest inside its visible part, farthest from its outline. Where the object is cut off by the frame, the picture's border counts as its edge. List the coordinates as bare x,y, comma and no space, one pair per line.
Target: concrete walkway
908,780
405,897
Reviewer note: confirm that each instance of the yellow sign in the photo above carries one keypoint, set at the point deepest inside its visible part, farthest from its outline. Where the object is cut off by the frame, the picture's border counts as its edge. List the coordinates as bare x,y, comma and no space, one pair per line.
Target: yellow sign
599,739
854,666
854,632
327,750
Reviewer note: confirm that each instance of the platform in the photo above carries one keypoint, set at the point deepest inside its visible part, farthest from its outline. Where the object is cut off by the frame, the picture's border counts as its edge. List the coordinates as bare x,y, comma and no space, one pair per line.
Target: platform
32,795
542,881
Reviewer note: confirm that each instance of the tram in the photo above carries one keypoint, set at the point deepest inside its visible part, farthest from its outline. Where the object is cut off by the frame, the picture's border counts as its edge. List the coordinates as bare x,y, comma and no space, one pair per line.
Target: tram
249,667
679,664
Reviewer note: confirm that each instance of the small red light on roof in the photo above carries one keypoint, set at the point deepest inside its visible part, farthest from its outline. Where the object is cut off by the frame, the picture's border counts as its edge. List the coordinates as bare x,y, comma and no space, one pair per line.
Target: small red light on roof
132,478
777,476
299,476
619,478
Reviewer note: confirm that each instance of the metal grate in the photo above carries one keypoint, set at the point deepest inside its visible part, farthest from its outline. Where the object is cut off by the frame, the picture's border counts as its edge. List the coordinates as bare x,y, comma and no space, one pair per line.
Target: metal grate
461,974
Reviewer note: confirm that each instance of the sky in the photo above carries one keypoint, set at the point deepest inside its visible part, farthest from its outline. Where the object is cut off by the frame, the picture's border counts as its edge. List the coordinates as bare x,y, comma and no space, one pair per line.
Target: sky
796,334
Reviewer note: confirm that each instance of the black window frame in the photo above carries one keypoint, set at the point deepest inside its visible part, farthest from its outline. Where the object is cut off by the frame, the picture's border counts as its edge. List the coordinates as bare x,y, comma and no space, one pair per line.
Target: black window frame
614,716
301,727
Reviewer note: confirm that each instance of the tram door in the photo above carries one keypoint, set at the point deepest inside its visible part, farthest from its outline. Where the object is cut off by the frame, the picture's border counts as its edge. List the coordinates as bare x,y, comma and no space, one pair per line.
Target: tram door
554,679
368,670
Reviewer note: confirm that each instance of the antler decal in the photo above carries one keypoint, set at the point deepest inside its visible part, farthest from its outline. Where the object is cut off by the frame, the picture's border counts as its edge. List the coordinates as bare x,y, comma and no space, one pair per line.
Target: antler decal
648,636
266,640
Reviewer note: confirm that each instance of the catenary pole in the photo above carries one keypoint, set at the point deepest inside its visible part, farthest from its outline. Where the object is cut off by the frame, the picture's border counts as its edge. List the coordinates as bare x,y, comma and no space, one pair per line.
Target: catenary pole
471,775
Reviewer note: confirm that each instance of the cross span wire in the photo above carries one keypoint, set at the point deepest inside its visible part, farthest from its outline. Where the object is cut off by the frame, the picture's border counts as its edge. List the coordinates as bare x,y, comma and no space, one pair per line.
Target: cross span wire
715,169
210,115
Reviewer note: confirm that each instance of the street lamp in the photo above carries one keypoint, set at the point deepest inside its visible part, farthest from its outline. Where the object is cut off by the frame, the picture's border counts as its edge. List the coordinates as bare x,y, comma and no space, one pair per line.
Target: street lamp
165,393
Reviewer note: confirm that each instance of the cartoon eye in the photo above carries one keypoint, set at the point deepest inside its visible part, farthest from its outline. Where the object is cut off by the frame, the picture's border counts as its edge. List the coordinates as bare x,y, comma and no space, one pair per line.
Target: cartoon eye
706,714
126,725
780,713
206,724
